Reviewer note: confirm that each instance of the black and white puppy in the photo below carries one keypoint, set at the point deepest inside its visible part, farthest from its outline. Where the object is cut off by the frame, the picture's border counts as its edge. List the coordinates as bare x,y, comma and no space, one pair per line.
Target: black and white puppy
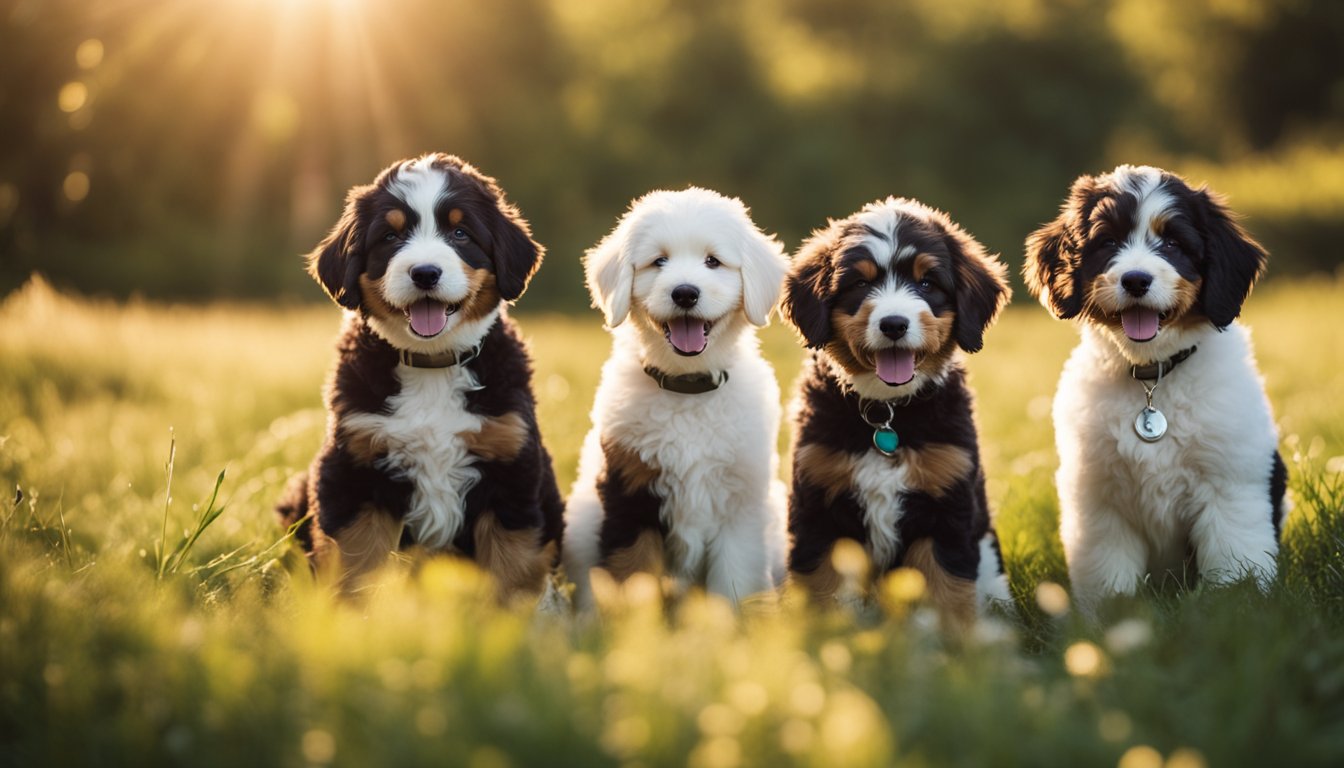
1156,272
885,448
432,434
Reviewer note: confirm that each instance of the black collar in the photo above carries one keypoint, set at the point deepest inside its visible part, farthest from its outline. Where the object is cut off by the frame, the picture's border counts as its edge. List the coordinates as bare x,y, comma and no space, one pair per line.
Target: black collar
440,360
688,383
1162,367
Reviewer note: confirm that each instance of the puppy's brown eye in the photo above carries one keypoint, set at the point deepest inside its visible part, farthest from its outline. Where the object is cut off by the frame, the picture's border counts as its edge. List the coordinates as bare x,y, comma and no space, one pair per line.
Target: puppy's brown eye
1171,244
459,234
1109,242
391,237
711,262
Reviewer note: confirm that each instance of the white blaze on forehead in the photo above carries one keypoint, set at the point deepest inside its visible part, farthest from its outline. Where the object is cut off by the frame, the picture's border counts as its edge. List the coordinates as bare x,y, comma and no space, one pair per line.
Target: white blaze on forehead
1155,202
422,187
883,220
1138,250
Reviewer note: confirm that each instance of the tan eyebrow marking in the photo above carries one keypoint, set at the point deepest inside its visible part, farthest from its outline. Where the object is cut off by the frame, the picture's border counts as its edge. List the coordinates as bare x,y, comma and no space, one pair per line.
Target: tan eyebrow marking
455,216
867,268
397,219
924,262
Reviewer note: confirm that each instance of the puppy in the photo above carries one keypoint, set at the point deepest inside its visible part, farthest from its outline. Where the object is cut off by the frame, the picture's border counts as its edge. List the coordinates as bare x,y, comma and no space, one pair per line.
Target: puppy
885,450
1167,446
431,433
677,476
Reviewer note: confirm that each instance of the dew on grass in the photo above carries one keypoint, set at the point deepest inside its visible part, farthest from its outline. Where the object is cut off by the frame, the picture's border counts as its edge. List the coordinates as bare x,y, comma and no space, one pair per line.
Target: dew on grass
807,699
836,657
1185,757
1052,598
720,720
1084,659
1140,756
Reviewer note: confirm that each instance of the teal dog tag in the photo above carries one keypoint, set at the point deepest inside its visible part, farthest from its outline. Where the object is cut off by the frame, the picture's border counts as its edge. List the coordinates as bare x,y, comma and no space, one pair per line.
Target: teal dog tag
886,441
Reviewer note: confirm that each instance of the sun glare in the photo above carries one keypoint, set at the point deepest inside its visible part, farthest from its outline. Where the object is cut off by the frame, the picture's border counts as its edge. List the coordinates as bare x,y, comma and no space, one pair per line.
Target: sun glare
310,59
308,5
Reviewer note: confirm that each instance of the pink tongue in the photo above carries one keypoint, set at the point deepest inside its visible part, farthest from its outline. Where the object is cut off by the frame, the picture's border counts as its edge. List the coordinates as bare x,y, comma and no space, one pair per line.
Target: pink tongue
687,334
1140,323
428,317
895,366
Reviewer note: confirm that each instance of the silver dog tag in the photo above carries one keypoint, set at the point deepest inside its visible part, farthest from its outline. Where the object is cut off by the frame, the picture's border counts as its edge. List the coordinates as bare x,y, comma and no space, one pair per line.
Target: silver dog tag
1150,425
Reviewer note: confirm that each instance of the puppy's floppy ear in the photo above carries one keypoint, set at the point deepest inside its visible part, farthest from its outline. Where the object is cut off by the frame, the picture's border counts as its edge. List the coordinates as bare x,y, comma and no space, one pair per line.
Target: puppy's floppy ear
338,261
1052,256
516,255
763,269
1233,260
609,270
981,287
807,289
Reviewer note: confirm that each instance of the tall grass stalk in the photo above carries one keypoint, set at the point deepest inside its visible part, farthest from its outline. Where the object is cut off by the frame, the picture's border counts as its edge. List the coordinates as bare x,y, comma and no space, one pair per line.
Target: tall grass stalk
159,556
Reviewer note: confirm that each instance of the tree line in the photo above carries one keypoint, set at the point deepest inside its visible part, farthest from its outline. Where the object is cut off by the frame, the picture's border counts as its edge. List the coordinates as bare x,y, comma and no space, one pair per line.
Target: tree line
190,150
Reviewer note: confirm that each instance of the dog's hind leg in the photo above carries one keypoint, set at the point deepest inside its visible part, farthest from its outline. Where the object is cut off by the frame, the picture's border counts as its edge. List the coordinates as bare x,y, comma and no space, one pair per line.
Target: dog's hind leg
515,558
293,508
352,552
952,596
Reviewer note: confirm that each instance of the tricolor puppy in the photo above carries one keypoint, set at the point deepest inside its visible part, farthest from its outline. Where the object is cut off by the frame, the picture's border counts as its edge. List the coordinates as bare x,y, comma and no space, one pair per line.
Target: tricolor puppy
678,475
1167,447
432,432
885,448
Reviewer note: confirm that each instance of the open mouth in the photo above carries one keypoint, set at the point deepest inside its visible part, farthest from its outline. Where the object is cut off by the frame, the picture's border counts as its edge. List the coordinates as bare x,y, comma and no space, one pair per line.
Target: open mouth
1141,323
687,335
895,366
429,317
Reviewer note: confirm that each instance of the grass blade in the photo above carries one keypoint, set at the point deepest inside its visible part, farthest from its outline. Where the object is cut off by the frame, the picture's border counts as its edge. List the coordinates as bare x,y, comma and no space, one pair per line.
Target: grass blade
159,552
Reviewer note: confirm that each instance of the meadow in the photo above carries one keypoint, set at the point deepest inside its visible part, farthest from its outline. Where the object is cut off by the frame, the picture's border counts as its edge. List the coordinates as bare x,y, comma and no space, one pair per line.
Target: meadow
152,613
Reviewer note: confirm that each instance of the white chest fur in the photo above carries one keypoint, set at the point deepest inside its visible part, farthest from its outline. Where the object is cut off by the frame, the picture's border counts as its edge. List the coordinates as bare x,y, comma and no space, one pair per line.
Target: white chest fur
1219,442
715,452
422,432
880,483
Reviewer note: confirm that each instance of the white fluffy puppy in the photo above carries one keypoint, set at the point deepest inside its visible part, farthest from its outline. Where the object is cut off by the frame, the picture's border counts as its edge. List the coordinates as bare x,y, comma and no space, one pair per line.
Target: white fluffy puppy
678,475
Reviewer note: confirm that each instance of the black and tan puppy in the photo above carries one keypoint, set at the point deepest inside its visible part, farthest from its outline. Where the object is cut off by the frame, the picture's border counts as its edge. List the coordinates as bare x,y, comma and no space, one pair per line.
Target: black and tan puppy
885,448
432,434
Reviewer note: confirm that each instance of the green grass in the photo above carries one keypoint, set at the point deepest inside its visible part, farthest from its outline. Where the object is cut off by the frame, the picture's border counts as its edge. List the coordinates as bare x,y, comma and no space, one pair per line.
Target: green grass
128,637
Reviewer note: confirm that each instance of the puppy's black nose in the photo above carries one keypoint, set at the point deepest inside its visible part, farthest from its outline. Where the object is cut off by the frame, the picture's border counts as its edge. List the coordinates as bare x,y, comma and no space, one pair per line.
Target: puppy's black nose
425,276
685,296
1136,283
894,326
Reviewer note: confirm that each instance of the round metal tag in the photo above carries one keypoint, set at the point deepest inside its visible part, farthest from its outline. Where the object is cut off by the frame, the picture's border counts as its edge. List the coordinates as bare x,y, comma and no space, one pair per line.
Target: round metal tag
1150,425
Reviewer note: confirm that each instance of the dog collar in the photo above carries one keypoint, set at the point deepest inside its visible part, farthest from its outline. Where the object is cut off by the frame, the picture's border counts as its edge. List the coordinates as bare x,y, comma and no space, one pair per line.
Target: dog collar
1161,368
440,360
688,383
